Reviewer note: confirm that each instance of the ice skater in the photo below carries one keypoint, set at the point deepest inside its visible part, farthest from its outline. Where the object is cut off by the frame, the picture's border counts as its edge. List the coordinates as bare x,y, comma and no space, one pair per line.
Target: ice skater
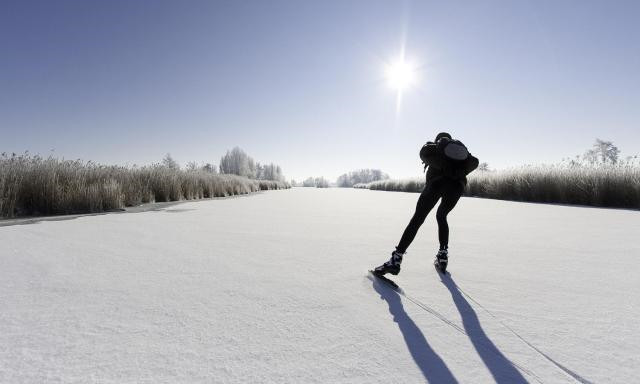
448,162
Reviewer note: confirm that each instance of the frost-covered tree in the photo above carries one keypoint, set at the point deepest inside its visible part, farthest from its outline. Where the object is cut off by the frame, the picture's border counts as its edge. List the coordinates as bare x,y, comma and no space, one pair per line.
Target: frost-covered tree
348,180
321,182
169,162
235,162
210,168
602,152
252,168
192,166
318,182
271,172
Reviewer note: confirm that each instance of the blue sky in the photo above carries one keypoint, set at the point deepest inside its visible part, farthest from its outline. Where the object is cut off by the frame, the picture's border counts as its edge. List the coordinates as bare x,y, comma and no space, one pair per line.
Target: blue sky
301,83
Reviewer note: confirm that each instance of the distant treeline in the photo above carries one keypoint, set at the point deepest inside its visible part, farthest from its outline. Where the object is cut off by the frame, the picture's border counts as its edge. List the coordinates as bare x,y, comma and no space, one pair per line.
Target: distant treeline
317,182
360,176
346,180
32,185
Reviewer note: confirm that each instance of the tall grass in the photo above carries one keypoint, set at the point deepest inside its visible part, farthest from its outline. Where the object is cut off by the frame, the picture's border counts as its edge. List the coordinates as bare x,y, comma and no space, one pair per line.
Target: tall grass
31,185
601,186
404,185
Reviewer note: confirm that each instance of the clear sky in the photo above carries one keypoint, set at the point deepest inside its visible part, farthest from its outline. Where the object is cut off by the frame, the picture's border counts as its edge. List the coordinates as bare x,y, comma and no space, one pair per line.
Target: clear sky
302,83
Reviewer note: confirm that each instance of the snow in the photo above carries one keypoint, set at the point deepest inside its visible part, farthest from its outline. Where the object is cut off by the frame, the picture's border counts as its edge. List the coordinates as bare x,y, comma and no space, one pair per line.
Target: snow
272,288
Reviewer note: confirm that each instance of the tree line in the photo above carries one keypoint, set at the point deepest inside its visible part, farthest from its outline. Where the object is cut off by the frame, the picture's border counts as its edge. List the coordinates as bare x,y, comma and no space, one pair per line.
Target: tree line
346,180
360,176
234,162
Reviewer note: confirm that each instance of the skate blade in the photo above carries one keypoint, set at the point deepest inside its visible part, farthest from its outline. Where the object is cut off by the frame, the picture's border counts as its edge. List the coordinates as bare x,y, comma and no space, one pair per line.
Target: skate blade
439,268
384,279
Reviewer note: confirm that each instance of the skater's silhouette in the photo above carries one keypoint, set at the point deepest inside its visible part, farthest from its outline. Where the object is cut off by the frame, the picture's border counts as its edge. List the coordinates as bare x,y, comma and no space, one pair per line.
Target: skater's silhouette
448,162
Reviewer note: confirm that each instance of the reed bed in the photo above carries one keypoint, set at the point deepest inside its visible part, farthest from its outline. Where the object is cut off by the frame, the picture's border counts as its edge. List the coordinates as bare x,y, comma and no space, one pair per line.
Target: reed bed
31,185
403,185
615,186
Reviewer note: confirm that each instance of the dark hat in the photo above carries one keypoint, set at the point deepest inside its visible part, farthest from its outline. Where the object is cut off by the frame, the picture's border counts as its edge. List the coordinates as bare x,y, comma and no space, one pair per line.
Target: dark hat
441,135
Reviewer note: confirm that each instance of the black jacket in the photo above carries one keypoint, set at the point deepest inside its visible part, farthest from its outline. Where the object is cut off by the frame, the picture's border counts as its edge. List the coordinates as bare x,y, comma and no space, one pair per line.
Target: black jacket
440,166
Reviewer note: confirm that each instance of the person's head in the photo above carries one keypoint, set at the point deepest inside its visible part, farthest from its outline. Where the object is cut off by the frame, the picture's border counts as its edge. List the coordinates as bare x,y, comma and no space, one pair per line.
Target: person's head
441,135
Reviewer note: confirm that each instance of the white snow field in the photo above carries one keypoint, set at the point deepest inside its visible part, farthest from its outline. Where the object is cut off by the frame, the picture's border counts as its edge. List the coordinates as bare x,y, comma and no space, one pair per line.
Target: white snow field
272,288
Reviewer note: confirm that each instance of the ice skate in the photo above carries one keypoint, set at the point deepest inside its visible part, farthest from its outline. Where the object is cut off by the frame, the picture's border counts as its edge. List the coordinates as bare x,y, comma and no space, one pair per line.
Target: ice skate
442,259
392,266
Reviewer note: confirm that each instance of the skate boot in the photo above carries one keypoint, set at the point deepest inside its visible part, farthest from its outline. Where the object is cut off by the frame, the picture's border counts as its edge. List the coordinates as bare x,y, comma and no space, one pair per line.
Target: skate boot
442,259
392,266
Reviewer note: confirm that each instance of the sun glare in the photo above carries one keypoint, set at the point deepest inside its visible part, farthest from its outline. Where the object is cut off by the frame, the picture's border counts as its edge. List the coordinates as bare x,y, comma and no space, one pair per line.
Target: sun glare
400,75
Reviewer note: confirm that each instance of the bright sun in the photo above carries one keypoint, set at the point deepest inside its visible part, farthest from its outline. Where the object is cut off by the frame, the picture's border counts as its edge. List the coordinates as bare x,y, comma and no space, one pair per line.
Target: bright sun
400,75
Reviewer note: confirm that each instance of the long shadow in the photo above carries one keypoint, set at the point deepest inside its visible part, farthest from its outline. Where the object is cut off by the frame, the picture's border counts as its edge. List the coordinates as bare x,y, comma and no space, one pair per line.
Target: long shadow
432,366
501,368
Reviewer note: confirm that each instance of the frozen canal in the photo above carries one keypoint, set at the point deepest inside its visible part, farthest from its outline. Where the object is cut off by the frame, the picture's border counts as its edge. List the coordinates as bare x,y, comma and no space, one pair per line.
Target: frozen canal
272,288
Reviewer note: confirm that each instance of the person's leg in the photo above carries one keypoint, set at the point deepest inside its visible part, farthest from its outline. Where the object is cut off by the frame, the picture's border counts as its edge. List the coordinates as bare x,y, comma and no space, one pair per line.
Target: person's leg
451,193
427,200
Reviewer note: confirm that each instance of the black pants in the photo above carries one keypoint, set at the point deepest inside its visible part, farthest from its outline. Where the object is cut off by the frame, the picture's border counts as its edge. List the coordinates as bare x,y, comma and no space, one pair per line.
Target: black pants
450,192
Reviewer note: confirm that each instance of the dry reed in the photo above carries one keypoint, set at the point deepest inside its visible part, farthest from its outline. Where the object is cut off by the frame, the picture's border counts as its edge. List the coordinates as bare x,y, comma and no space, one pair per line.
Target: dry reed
32,185
616,186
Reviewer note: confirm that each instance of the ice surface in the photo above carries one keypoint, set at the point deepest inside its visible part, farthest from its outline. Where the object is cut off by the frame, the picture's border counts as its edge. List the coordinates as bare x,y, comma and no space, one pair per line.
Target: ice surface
272,288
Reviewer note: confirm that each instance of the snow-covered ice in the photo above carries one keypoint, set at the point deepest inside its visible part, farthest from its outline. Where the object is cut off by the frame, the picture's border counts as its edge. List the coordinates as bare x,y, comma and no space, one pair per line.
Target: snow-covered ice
272,288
